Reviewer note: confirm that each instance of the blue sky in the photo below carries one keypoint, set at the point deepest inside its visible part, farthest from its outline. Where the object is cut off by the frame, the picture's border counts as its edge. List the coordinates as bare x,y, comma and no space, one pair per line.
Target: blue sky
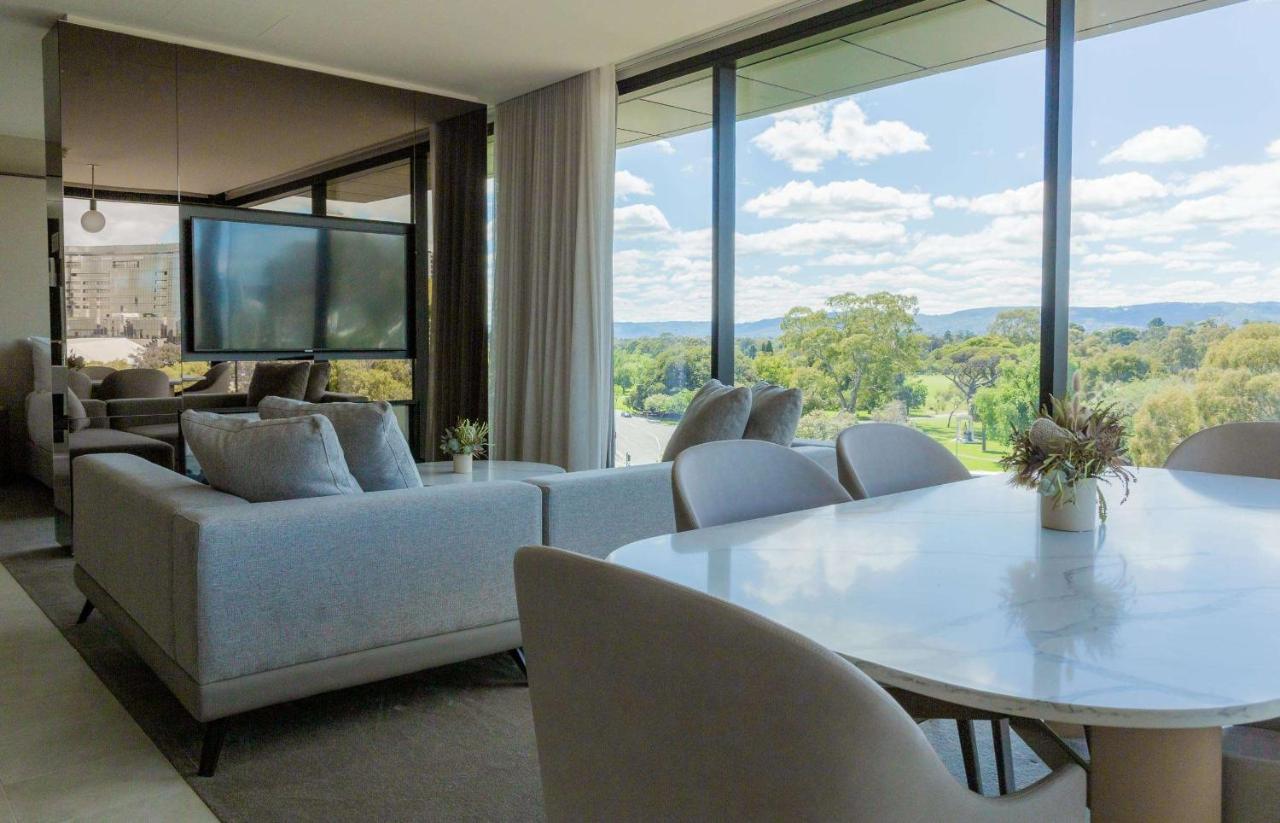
930,187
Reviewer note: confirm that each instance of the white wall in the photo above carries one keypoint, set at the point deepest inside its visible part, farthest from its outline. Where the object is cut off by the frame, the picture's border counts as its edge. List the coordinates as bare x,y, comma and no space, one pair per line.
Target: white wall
24,295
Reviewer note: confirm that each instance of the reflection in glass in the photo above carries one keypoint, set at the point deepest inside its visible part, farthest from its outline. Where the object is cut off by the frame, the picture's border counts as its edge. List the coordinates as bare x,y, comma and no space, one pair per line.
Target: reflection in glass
292,288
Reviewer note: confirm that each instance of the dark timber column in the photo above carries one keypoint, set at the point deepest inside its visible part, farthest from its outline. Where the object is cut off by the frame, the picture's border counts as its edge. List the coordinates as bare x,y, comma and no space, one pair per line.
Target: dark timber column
723,205
1056,277
459,366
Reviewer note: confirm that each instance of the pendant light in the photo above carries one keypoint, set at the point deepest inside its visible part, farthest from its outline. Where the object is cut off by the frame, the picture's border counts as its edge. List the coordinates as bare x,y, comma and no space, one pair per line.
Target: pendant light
93,220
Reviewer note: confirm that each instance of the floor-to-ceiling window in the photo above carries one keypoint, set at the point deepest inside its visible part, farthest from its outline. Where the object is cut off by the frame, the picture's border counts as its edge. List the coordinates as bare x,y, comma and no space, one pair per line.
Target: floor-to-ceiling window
1176,219
888,250
661,263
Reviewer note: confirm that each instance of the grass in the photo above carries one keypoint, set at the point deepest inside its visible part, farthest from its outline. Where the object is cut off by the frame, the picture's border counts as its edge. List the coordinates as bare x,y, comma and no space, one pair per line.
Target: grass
970,454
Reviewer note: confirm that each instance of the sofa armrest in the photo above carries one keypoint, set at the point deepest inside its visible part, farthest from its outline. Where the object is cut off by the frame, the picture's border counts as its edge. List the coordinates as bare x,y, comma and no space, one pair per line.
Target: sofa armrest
340,397
122,532
97,411
270,585
594,512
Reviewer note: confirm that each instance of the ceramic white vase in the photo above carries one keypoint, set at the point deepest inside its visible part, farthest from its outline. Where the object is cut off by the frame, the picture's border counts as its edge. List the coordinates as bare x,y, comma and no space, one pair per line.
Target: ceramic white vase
462,464
1078,514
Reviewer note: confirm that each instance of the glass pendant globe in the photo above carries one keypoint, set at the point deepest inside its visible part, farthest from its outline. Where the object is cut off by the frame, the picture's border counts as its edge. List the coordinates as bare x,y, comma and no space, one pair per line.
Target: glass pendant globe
93,221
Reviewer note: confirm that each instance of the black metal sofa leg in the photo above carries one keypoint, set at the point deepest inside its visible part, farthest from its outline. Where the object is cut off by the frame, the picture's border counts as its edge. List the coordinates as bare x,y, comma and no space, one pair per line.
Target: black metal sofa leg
85,612
215,732
517,655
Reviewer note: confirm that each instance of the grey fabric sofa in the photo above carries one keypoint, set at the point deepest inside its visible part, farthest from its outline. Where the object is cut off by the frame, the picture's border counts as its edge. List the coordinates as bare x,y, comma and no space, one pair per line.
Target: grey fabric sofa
239,605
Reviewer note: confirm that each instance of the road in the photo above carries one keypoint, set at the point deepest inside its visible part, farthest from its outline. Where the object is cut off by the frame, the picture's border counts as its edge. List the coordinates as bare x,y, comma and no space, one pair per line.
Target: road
642,438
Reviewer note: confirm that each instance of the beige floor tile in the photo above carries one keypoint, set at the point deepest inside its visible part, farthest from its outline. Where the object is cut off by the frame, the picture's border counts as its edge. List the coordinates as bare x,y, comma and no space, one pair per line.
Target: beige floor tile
95,788
178,806
56,741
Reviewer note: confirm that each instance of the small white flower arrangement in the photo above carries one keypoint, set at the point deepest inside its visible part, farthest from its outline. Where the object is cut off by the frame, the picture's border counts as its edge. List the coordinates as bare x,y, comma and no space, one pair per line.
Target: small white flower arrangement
466,440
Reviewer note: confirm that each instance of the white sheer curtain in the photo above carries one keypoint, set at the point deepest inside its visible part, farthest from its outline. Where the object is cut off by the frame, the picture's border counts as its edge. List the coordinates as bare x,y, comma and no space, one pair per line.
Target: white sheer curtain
553,282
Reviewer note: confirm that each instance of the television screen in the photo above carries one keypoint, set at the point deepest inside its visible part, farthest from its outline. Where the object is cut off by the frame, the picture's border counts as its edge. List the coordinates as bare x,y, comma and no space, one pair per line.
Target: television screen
296,284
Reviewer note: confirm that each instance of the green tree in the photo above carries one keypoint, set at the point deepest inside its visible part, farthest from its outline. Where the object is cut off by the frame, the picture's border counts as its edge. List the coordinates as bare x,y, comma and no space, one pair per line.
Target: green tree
971,364
1115,366
1018,326
852,351
1012,403
1254,347
157,354
1164,420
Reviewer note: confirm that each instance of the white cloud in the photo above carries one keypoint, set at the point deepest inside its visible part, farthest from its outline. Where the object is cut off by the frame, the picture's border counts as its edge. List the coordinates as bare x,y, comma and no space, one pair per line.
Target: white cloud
640,219
1162,144
819,236
665,147
1273,150
1098,194
807,137
842,199
626,184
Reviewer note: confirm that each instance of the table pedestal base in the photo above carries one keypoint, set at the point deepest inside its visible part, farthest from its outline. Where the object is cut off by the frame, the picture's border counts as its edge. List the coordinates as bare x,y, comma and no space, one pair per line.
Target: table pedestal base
1144,775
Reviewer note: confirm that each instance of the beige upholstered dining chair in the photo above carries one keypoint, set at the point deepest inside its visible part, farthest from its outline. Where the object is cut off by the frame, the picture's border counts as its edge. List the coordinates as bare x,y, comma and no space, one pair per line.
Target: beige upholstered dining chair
1251,754
729,481
217,380
655,702
1246,449
883,458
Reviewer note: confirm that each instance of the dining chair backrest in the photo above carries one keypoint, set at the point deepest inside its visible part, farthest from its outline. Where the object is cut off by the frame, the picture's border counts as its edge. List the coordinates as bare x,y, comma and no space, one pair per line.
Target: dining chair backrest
217,380
875,459
97,372
129,383
733,480
655,702
1245,449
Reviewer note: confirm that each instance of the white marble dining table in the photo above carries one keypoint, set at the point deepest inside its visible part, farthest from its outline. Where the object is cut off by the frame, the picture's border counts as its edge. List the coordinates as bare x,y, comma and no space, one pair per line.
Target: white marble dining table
1154,631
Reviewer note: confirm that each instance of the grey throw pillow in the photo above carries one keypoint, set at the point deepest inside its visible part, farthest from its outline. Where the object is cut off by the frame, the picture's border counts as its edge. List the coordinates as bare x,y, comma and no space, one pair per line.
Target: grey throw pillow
717,412
262,460
77,417
279,379
317,382
775,413
372,442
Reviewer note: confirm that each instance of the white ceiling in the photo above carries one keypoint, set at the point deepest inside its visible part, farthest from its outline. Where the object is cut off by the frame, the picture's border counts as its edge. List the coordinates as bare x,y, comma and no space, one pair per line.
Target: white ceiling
486,50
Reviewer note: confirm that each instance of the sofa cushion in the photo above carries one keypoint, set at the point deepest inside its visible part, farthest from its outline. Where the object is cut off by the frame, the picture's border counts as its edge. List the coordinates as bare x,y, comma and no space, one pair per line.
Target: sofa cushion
41,364
717,412
77,417
279,380
317,381
261,460
80,383
775,414
376,451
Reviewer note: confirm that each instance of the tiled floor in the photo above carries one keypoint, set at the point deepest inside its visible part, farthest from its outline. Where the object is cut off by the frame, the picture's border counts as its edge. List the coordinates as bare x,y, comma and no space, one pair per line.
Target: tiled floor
68,750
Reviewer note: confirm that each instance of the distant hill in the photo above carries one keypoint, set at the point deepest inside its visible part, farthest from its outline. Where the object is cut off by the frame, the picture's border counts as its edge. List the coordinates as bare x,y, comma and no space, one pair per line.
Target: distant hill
976,321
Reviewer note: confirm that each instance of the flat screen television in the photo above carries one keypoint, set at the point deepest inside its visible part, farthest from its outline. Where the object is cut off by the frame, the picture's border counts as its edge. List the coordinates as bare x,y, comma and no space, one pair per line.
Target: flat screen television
267,284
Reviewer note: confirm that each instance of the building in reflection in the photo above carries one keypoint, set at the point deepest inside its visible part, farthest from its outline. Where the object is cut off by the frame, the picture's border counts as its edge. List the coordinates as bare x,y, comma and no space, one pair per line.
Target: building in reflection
123,291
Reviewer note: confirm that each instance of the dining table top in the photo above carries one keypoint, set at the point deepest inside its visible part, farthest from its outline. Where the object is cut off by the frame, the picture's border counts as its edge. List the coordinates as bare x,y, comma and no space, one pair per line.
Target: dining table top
1165,617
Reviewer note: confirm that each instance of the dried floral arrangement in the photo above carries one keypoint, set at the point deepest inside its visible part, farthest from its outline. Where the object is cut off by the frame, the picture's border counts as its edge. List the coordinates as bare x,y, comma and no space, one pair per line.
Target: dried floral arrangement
468,437
1067,444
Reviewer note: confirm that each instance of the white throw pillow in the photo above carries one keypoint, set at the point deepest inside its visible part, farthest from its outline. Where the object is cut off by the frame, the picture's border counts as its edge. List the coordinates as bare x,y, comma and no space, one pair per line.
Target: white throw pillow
41,364
77,417
262,460
376,451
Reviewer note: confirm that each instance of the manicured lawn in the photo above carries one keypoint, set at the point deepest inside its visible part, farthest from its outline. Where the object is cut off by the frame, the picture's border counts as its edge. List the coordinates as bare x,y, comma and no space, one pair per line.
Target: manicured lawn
970,454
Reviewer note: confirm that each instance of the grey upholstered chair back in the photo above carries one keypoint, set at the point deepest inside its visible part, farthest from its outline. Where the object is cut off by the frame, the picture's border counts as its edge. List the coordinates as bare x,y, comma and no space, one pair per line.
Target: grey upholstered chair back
217,380
97,372
130,383
655,702
733,480
80,383
884,458
1245,449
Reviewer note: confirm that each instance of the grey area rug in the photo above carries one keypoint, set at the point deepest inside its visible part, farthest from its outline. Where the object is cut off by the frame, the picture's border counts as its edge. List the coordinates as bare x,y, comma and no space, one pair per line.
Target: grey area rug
454,743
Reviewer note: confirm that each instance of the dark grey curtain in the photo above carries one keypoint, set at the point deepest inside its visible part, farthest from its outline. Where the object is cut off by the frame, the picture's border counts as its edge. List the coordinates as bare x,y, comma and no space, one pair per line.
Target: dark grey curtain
459,363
